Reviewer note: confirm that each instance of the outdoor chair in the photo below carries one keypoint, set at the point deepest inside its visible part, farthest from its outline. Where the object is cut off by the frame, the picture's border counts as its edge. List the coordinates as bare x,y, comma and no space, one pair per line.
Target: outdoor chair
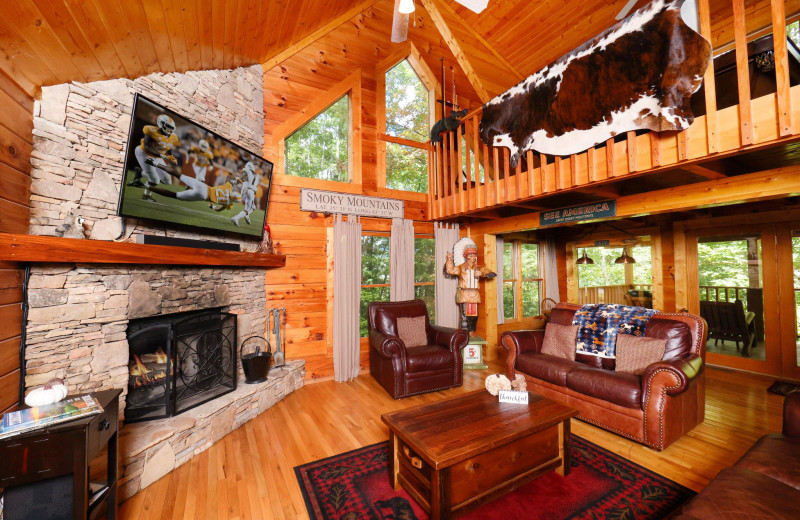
728,321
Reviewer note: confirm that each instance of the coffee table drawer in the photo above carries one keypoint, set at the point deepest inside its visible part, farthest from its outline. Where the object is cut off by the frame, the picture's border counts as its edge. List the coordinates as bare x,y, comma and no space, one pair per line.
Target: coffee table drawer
502,465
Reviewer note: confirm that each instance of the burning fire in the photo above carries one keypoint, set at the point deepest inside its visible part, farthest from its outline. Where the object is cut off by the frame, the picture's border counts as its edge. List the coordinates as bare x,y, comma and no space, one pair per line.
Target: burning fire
140,375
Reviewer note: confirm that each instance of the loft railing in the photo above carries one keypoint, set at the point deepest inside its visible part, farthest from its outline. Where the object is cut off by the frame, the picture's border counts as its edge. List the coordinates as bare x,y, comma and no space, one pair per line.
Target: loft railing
466,175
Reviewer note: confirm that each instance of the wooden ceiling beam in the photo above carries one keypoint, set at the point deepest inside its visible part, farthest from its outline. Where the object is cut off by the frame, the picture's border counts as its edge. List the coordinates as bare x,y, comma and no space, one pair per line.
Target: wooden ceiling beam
455,48
271,61
702,171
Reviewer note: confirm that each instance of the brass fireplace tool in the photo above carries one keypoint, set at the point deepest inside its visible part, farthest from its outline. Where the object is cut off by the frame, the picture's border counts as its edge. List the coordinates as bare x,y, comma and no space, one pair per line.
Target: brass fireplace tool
279,330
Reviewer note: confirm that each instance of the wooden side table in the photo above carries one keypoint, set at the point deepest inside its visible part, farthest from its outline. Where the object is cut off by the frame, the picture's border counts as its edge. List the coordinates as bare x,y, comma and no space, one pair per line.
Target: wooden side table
40,467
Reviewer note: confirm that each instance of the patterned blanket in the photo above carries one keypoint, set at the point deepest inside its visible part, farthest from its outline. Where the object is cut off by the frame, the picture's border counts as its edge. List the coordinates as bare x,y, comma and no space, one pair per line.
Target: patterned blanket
599,324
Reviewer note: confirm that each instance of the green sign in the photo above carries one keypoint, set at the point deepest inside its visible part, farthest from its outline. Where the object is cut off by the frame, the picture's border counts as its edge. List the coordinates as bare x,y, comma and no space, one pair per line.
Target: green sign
592,211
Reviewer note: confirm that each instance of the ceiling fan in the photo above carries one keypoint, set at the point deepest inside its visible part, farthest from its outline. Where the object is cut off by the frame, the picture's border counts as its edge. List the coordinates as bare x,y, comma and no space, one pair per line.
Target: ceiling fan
403,8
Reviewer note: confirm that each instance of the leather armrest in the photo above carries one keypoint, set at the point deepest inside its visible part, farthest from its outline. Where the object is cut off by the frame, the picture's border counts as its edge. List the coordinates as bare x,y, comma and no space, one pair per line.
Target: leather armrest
518,341
791,414
453,339
674,375
387,346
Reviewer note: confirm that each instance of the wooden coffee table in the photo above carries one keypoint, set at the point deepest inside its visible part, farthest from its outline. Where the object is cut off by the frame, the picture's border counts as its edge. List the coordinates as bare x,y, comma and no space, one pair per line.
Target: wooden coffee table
456,454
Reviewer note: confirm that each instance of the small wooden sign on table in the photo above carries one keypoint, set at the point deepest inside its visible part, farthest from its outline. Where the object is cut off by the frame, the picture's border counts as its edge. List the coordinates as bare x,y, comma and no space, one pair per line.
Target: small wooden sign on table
473,354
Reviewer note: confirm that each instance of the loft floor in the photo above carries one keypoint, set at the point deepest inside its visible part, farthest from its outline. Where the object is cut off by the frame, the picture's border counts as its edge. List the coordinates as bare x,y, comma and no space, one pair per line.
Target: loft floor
249,473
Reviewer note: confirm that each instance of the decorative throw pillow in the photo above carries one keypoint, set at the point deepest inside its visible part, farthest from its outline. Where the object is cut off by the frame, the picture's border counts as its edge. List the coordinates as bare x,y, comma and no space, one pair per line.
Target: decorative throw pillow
559,340
412,331
636,353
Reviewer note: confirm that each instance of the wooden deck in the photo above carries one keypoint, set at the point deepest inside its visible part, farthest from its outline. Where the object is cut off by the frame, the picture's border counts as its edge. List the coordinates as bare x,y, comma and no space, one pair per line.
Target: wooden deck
249,473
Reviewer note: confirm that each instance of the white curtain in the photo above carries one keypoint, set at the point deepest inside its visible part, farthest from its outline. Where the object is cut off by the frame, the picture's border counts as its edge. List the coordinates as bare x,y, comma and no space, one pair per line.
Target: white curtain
447,313
501,314
346,297
401,260
547,261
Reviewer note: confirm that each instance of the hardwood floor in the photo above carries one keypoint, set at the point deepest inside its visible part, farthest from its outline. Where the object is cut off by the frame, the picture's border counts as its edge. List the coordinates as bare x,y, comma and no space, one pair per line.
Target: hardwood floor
249,474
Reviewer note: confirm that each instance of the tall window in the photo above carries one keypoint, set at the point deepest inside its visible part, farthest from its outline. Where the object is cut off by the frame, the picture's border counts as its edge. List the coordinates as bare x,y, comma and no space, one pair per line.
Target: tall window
606,281
374,274
407,129
521,280
320,149
425,273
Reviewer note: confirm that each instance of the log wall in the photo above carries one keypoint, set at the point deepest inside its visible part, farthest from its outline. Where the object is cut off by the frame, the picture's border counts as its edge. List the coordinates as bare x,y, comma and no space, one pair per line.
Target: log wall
16,127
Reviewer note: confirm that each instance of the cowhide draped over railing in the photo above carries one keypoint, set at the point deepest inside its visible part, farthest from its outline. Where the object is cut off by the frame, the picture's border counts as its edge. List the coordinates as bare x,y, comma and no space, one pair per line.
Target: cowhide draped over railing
467,174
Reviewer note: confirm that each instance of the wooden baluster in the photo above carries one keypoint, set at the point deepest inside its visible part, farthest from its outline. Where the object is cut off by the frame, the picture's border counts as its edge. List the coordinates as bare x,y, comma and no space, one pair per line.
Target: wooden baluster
592,171
704,13
683,147
559,173
486,192
480,192
548,178
440,178
468,166
655,149
431,185
781,54
446,169
496,156
507,174
742,73
632,163
534,176
518,184
459,170
610,168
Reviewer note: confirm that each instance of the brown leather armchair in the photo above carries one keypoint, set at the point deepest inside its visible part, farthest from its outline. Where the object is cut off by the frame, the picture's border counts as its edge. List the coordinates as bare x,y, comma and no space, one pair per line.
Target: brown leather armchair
406,371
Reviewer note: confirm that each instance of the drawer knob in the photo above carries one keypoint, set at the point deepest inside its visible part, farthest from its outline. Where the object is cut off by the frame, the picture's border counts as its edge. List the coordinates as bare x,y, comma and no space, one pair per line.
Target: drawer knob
104,425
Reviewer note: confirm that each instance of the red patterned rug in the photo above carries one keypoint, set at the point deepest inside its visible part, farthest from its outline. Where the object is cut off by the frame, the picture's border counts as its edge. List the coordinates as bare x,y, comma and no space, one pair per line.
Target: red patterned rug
602,485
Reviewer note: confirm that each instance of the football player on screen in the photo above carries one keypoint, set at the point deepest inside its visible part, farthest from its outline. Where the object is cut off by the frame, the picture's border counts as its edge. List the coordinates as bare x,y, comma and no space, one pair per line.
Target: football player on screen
249,187
202,156
153,153
219,197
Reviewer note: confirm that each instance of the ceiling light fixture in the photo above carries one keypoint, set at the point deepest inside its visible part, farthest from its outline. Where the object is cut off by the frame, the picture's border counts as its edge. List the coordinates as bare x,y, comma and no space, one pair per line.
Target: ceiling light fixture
406,7
625,258
584,260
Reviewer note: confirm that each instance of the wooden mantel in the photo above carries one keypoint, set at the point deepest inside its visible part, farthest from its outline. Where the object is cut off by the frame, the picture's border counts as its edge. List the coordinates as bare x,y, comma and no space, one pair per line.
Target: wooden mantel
42,249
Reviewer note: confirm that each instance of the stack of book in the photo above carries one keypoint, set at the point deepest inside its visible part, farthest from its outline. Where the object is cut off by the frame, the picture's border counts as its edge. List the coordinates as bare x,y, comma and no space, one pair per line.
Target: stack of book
28,419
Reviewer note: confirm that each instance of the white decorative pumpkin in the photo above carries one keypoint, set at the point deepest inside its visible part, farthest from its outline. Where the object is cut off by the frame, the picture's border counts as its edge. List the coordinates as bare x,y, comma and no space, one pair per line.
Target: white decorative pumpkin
53,391
496,382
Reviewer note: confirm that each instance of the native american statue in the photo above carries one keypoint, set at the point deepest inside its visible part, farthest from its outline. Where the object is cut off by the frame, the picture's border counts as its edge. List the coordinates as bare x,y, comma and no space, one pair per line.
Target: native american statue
463,263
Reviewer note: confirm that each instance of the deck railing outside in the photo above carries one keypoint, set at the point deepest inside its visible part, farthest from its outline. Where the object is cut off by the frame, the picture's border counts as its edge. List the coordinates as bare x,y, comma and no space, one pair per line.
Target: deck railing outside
466,175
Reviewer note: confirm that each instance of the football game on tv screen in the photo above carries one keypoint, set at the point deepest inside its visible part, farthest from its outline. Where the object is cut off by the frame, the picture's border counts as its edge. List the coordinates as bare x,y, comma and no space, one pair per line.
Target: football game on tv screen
177,171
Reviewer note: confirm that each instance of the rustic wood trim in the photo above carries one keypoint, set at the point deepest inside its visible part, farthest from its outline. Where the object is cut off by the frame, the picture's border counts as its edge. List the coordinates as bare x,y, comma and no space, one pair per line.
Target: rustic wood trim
704,13
34,248
742,73
781,53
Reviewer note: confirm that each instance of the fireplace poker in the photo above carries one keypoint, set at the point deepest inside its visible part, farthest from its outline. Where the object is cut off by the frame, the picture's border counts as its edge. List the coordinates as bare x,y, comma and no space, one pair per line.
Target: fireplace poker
279,356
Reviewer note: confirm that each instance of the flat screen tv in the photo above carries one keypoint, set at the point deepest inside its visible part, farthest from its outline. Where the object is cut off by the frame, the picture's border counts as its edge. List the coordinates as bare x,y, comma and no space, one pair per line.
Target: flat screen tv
179,172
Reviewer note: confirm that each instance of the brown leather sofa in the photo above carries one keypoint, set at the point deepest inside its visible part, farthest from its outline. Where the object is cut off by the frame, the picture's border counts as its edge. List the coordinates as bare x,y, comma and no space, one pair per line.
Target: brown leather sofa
656,408
764,483
406,371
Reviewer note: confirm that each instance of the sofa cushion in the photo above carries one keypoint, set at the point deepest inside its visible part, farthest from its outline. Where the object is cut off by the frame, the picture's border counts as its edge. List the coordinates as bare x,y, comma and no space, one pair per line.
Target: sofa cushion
616,387
677,334
636,353
412,331
548,368
740,494
559,340
425,358
775,456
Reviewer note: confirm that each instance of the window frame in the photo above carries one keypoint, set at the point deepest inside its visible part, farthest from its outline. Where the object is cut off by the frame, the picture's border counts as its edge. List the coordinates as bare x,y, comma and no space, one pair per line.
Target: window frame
406,52
517,277
350,87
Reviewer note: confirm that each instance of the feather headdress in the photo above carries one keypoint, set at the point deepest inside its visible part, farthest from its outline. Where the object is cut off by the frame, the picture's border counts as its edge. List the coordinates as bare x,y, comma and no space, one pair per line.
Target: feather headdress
461,249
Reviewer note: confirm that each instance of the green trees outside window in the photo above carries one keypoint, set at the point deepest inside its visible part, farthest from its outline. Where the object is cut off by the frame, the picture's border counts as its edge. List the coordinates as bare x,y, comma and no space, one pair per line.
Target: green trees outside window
425,273
320,149
407,118
521,280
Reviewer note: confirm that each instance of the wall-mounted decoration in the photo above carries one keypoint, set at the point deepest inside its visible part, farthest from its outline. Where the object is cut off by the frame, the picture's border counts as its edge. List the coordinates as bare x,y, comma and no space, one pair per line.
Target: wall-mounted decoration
349,204
638,74
595,210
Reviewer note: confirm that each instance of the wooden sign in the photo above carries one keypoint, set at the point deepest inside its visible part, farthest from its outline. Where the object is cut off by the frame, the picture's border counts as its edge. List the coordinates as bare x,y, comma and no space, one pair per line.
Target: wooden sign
592,211
349,204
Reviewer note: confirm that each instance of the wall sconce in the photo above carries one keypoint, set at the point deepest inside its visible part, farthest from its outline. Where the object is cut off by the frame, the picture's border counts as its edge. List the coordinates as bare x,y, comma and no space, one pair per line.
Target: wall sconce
584,260
625,258
406,7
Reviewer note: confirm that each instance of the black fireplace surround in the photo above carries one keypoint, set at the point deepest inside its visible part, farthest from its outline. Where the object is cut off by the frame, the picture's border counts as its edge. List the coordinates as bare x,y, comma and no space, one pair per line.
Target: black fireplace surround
179,361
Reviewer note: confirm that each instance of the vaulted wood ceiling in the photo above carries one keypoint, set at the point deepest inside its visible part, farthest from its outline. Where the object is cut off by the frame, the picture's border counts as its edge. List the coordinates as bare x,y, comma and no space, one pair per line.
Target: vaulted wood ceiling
45,42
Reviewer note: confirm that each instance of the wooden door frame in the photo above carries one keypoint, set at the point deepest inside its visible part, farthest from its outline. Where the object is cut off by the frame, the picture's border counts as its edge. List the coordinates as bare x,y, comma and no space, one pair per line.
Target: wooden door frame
769,265
789,361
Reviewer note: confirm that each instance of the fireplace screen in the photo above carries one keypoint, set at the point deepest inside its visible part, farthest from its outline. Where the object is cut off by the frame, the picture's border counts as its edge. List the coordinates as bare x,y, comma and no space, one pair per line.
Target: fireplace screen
179,361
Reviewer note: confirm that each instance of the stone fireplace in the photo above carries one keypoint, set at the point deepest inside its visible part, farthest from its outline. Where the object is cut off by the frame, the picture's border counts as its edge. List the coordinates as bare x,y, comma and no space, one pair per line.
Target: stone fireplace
79,314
